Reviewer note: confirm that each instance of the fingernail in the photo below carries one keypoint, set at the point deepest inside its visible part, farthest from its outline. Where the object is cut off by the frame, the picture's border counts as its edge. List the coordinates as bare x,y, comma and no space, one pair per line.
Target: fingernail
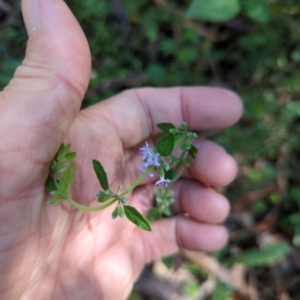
30,10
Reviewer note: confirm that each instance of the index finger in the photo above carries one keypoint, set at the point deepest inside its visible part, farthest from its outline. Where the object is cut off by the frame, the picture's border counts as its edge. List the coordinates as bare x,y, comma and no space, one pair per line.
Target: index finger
135,113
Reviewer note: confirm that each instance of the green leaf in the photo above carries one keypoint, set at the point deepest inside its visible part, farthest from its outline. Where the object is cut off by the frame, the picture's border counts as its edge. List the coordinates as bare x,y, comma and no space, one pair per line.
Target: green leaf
267,256
213,10
50,184
69,156
192,135
161,172
121,212
56,194
123,199
184,126
192,288
175,160
66,180
222,292
137,218
165,165
166,210
168,261
257,10
53,201
165,145
101,174
175,131
62,151
103,196
193,151
115,213
54,166
186,145
295,218
156,73
61,168
154,214
165,127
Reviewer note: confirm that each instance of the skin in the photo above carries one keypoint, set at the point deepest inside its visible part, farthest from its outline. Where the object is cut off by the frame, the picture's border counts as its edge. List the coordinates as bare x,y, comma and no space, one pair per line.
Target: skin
58,252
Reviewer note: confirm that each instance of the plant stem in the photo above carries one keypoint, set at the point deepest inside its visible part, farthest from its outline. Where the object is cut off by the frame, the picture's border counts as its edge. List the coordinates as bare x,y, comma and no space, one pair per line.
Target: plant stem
175,171
179,140
181,158
137,181
90,208
97,208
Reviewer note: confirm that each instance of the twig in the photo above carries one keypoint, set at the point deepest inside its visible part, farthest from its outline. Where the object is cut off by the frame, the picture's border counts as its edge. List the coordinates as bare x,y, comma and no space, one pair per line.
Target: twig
233,277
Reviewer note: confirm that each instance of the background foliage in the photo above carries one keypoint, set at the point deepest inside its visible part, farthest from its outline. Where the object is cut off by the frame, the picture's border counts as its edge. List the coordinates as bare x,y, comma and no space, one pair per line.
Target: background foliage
250,46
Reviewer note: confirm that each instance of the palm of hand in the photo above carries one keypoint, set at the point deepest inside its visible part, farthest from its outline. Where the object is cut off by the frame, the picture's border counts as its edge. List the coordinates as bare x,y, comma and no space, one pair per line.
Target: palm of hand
59,253
62,245
67,250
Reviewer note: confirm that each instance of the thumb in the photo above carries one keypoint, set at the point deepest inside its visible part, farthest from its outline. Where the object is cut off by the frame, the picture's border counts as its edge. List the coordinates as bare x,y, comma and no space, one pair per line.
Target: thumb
40,103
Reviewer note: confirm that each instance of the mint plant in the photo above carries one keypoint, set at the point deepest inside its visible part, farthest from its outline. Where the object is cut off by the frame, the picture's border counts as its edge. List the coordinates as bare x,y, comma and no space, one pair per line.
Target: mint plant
160,160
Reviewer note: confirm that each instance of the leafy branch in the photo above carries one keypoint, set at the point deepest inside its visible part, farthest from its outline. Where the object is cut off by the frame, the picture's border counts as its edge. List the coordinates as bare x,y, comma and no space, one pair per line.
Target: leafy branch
160,160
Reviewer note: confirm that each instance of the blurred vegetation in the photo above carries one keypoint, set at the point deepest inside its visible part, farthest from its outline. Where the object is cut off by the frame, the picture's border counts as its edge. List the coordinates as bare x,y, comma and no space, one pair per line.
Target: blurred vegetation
250,46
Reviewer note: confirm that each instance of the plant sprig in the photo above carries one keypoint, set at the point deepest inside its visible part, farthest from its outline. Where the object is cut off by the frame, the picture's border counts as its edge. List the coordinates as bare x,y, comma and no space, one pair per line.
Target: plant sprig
160,160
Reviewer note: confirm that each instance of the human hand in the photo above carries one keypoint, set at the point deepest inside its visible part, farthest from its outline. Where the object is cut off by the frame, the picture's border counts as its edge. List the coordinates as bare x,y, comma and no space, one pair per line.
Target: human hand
57,252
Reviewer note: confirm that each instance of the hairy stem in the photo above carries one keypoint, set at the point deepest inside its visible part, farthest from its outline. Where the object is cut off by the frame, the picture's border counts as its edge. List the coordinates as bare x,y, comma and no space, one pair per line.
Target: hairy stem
138,181
90,208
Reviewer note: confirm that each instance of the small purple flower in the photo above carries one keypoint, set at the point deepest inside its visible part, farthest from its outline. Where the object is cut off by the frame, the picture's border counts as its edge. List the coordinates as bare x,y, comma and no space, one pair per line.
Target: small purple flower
162,181
145,151
152,159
